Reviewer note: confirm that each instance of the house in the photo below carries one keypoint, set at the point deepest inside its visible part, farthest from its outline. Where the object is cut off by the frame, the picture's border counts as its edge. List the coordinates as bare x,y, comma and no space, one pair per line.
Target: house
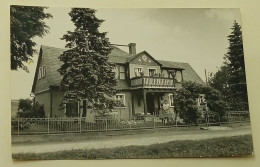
143,82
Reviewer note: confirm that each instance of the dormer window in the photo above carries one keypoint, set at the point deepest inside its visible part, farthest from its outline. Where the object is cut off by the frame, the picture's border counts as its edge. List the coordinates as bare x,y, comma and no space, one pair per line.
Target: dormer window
42,72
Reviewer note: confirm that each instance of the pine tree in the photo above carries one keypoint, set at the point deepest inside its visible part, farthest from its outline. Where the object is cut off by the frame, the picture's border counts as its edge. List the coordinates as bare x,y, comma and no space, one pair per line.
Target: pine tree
236,66
26,22
86,72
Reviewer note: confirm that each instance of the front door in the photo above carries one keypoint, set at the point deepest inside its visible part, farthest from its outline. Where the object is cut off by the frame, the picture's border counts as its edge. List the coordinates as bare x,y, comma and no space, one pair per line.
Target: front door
150,103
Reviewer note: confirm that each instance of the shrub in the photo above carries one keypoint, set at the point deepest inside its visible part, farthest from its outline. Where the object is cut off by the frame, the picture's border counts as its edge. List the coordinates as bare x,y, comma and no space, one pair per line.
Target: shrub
37,111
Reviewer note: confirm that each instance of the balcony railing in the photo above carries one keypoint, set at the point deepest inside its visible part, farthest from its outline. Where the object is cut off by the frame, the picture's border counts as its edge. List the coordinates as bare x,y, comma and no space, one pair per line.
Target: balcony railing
153,82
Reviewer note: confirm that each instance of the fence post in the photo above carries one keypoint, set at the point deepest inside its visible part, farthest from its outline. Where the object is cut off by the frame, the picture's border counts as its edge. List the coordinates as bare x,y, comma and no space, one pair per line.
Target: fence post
106,124
228,120
18,130
239,118
79,124
48,119
154,121
219,120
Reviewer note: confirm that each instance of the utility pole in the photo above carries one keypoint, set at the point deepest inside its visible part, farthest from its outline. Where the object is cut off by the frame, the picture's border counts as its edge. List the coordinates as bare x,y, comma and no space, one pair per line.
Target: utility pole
206,76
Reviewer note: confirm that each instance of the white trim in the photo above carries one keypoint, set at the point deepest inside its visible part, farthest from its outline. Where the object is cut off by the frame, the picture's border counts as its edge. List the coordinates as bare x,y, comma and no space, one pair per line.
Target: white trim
123,100
42,91
43,71
139,68
170,94
40,73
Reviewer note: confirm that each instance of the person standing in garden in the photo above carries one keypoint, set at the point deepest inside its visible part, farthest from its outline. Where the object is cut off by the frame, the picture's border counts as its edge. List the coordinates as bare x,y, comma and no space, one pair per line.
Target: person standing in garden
166,107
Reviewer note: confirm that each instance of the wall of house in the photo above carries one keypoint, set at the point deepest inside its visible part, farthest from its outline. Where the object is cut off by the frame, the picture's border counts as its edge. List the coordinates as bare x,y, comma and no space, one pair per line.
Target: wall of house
44,99
57,110
145,69
125,112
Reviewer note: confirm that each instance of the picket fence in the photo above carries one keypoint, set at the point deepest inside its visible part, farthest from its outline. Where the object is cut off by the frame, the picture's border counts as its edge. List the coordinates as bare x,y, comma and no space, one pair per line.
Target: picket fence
22,126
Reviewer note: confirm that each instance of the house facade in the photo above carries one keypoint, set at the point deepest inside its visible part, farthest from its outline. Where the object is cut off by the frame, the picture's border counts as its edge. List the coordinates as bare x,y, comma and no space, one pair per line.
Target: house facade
143,83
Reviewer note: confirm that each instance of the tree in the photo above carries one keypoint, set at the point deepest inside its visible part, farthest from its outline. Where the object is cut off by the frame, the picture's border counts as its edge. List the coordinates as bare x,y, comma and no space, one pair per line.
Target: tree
185,106
86,72
25,24
236,68
186,101
25,104
220,80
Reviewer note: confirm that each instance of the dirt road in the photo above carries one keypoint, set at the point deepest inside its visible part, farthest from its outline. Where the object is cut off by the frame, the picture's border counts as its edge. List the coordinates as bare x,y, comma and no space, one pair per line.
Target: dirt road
127,140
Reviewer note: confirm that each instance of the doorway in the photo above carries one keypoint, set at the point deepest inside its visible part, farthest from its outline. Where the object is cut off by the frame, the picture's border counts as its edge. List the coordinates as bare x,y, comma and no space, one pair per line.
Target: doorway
150,103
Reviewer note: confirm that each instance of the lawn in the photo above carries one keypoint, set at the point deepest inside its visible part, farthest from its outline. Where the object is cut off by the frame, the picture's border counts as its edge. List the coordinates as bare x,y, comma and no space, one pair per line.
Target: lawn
218,147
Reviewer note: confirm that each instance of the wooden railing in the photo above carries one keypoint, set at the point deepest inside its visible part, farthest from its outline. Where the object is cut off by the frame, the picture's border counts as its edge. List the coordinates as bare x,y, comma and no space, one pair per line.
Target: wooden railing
152,82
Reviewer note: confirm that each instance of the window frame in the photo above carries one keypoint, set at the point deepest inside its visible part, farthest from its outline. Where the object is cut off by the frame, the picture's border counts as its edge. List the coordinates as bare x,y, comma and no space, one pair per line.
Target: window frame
121,72
43,71
151,69
40,73
124,103
140,72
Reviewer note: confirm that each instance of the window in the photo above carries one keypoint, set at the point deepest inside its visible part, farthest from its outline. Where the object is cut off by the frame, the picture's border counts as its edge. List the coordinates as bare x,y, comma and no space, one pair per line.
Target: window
120,100
152,71
121,72
171,100
40,73
43,71
138,71
171,74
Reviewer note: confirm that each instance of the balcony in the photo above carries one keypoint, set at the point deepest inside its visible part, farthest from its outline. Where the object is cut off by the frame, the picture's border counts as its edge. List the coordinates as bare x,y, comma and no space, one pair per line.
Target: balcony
154,82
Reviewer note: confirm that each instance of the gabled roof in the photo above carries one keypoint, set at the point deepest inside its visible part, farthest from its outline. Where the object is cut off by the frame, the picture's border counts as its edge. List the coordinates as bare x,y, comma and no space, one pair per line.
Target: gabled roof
169,64
51,57
143,52
52,63
189,74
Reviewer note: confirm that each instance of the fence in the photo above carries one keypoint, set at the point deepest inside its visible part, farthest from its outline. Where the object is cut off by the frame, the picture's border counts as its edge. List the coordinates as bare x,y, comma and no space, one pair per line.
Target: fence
21,126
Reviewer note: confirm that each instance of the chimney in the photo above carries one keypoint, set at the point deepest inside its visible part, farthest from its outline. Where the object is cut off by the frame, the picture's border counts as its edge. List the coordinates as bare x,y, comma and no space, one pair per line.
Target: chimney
132,48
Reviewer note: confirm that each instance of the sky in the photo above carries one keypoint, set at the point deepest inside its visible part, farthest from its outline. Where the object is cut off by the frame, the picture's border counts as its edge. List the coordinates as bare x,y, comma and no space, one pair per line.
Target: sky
194,36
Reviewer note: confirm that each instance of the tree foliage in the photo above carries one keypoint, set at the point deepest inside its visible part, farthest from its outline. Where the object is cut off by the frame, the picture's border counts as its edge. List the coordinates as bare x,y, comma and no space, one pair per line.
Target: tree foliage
220,81
26,22
236,66
230,80
25,104
185,106
186,101
86,72
27,109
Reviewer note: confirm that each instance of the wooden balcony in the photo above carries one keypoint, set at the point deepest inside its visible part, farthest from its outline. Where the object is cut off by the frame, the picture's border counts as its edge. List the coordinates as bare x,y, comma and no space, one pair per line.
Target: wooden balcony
154,82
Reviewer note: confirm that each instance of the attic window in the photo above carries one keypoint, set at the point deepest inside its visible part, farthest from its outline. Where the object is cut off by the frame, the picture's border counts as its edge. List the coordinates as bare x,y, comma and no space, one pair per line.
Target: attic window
40,73
43,71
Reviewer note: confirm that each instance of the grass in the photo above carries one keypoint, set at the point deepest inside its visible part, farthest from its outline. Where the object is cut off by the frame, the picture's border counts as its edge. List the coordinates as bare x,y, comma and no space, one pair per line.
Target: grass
218,147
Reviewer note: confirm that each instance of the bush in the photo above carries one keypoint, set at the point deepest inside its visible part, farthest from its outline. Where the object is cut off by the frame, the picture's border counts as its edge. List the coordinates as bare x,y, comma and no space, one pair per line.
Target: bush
37,111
